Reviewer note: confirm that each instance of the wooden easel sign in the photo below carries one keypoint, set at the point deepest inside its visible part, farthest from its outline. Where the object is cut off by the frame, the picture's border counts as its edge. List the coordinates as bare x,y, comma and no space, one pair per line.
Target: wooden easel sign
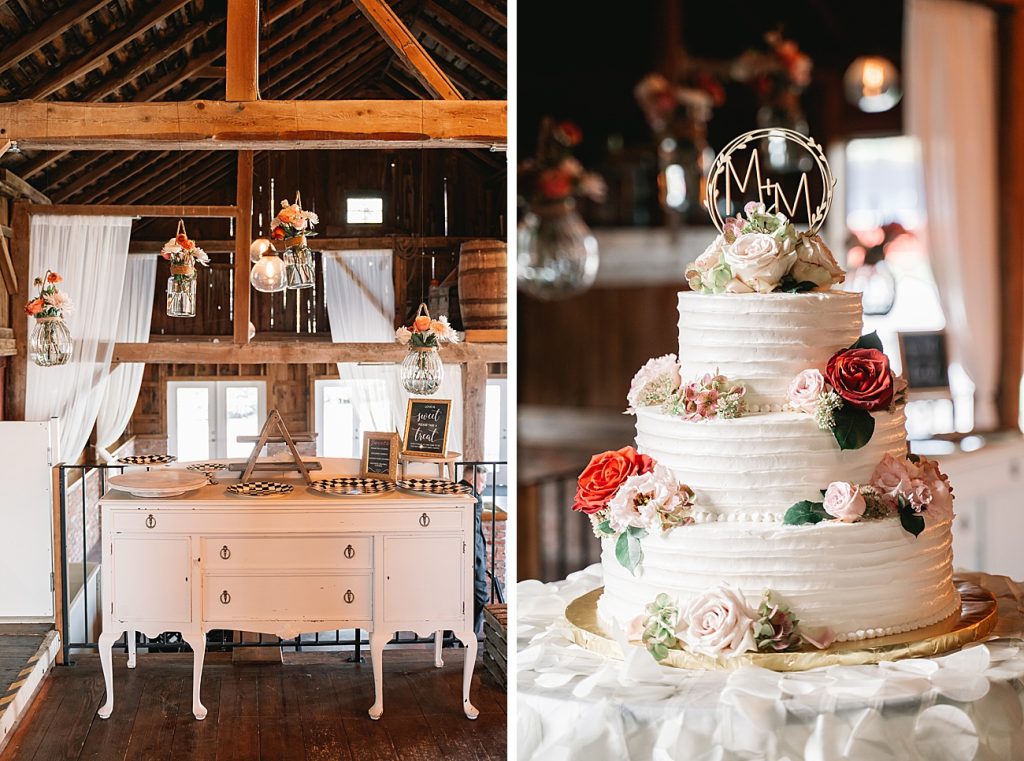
426,427
380,455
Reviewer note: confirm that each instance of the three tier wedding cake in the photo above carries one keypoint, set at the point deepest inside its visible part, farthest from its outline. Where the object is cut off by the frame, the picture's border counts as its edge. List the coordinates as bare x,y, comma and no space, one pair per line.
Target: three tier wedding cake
770,503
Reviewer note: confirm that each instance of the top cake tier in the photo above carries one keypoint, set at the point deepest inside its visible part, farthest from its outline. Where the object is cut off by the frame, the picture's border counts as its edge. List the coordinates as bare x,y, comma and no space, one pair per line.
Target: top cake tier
764,340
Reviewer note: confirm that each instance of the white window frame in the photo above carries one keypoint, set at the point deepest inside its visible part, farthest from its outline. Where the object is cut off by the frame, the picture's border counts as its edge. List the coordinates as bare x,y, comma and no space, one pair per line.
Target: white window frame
217,399
319,384
367,196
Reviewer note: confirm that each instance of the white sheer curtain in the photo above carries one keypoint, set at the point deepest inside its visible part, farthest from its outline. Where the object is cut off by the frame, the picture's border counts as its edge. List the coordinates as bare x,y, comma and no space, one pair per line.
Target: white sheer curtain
91,254
125,380
359,289
951,78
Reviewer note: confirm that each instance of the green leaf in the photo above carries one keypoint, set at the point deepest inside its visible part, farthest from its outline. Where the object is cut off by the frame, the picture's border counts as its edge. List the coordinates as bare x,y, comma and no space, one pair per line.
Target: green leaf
911,521
789,284
605,527
627,549
805,512
869,341
853,427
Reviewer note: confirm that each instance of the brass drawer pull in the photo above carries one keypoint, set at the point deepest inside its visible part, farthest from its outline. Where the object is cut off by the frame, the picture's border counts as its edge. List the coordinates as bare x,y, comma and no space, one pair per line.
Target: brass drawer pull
349,597
350,552
225,598
424,520
225,552
150,521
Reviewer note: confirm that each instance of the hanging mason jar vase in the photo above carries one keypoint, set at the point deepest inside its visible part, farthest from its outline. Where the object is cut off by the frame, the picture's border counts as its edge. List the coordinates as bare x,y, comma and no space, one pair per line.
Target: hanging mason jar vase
422,370
51,343
182,253
558,254
300,271
181,291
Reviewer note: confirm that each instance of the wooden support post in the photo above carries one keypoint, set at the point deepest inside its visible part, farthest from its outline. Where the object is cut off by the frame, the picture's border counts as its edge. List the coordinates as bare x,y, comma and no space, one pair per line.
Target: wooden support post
474,398
243,237
18,370
408,49
243,50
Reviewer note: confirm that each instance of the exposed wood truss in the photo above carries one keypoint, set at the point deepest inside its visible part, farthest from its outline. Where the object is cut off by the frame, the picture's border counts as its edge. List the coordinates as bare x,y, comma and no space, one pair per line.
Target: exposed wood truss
268,124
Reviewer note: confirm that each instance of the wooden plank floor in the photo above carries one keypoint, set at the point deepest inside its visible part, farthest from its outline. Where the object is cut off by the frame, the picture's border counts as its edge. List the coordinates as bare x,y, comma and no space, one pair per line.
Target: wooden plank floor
311,708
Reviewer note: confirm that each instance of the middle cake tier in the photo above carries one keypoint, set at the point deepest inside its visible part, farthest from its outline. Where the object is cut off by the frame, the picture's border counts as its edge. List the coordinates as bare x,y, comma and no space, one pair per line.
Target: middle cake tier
754,468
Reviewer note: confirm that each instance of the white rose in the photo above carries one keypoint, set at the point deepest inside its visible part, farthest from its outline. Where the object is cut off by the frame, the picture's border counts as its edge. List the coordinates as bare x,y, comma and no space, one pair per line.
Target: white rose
759,261
718,623
815,263
844,501
403,334
805,389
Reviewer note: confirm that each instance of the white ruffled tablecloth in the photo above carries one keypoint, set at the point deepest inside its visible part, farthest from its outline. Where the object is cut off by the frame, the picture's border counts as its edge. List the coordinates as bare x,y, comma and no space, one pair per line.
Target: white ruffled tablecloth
574,704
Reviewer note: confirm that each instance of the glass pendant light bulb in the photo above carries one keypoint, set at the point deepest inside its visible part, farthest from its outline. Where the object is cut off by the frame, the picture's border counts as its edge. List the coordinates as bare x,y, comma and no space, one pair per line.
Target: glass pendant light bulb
268,274
872,84
259,247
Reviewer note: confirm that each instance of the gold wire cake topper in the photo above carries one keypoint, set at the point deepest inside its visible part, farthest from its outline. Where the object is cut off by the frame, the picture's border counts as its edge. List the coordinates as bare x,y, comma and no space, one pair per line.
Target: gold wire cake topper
769,191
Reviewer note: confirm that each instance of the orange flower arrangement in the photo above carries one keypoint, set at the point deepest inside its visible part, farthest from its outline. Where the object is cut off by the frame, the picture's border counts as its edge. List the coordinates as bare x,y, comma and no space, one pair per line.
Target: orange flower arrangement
50,302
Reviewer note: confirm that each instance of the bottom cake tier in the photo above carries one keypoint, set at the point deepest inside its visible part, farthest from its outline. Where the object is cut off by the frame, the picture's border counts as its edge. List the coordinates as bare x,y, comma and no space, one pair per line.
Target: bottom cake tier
861,580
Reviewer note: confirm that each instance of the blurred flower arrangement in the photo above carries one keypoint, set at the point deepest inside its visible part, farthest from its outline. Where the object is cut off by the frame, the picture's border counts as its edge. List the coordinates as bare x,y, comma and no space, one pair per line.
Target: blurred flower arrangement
50,343
873,277
557,252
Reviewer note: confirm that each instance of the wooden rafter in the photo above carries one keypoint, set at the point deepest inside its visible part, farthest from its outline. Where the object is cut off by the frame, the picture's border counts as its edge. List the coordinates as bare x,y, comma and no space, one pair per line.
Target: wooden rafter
489,10
90,59
133,210
458,49
243,50
332,67
217,125
408,49
468,31
30,42
404,242
13,186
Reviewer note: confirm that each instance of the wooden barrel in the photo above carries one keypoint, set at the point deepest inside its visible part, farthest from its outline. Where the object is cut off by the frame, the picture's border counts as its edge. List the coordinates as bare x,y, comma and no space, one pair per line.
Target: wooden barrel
483,287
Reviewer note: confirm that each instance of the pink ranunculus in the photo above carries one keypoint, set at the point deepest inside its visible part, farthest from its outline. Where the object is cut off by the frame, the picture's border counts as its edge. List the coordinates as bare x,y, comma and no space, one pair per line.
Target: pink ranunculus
941,506
719,622
844,501
892,476
805,389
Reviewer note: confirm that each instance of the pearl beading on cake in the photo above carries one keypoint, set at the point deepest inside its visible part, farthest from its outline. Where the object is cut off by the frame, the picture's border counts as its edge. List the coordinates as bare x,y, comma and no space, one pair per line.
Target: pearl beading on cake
890,630
706,516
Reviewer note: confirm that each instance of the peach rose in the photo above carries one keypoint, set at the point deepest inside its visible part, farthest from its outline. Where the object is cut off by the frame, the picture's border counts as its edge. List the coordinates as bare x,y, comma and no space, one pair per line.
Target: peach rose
34,307
421,323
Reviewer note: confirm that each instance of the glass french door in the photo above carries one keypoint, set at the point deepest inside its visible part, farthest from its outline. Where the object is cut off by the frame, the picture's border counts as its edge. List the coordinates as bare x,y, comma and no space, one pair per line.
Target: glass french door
205,418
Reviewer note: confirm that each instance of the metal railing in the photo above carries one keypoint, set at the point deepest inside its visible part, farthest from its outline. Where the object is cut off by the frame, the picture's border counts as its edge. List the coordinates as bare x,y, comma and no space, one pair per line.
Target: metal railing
223,640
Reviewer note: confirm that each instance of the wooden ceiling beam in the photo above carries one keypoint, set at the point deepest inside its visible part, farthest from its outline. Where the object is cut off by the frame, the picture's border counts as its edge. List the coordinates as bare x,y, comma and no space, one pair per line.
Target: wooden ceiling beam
302,65
267,124
479,39
292,352
334,89
243,238
211,72
172,79
325,68
117,191
243,51
490,11
280,11
323,244
456,48
134,210
408,49
94,173
172,188
13,186
30,42
69,71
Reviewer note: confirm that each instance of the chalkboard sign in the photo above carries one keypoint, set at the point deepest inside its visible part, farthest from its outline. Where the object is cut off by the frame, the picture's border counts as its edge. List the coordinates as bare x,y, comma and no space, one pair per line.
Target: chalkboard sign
925,362
380,455
426,427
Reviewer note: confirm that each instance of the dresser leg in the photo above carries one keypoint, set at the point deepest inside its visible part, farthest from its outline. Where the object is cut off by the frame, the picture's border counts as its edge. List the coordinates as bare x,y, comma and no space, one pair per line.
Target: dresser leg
197,641
378,638
130,636
438,644
468,637
105,645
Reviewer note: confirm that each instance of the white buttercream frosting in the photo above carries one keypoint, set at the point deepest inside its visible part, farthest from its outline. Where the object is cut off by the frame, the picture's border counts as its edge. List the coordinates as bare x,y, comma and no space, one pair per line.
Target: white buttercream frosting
861,580
755,467
764,340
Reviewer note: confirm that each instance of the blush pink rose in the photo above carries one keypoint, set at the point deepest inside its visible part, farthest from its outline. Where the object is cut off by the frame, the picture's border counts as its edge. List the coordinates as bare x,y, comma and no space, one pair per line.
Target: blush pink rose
805,389
892,476
844,501
718,623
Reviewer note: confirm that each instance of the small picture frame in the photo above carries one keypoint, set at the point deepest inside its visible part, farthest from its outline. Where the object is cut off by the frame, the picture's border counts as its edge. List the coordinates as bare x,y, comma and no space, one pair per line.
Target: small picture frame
380,455
426,428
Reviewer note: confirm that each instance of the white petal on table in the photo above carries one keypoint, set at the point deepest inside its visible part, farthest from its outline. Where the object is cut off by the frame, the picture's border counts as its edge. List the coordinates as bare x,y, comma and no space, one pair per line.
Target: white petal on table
868,739
960,685
554,679
971,659
945,733
829,737
757,681
913,665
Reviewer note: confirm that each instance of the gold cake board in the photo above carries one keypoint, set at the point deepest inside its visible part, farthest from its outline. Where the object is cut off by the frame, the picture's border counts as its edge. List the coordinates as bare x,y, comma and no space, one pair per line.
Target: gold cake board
977,617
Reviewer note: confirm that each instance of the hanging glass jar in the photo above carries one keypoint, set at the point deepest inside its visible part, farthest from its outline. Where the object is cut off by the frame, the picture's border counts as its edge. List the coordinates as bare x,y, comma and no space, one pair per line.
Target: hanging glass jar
558,254
181,291
50,344
300,271
422,370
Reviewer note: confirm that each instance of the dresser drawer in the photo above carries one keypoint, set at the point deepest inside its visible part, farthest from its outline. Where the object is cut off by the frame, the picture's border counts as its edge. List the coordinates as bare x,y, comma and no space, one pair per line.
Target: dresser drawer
342,553
427,519
300,597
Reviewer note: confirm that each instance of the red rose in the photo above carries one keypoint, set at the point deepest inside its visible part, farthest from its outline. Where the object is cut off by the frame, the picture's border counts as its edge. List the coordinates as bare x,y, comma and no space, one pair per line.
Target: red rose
568,133
554,183
861,377
605,474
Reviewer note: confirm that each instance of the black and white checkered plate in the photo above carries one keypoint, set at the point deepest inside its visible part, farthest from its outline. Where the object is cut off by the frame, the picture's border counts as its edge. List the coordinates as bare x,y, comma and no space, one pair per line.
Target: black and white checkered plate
260,489
352,486
147,459
207,467
432,487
